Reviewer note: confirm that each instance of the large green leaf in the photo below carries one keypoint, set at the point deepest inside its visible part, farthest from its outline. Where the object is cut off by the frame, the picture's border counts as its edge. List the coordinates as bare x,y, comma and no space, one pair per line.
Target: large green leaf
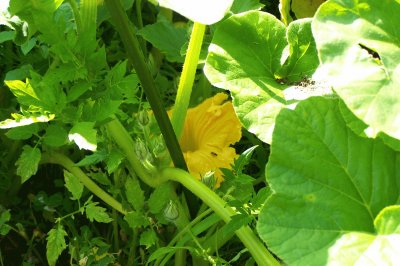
249,64
327,181
362,58
357,248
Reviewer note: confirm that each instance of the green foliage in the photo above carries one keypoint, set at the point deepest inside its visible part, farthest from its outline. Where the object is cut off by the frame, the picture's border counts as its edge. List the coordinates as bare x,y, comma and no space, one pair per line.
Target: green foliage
134,193
97,213
28,162
368,248
259,64
84,83
84,135
73,184
4,218
362,68
167,38
55,244
318,163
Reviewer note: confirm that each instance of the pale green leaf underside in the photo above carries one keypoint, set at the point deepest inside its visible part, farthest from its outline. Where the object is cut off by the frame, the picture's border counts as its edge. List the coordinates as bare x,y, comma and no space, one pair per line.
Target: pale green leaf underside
365,250
368,85
204,11
323,176
84,135
248,65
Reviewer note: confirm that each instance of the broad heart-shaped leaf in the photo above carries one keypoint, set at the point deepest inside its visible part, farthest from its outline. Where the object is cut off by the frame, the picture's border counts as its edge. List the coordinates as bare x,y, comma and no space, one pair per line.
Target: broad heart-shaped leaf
202,11
327,181
362,58
249,64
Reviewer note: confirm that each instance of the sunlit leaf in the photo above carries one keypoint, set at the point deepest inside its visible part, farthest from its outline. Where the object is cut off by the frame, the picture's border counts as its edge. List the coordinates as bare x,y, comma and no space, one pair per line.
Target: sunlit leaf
84,135
28,162
55,244
323,175
362,58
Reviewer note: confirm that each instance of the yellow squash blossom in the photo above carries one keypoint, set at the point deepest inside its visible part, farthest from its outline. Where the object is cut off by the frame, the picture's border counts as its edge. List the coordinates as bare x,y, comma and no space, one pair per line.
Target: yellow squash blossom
210,128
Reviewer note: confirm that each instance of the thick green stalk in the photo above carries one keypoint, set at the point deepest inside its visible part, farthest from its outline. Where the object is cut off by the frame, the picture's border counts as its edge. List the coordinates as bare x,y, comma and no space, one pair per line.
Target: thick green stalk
187,78
64,161
136,57
260,254
126,144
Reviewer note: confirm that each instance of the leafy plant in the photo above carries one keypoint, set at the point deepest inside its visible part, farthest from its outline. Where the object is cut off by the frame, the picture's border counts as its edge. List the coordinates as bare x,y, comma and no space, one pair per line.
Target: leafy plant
115,141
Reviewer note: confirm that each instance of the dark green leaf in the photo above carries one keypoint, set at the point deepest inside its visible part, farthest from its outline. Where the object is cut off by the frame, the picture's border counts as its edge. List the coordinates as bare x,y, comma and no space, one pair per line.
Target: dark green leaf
167,38
114,159
96,157
4,218
55,136
136,220
22,133
236,222
148,238
159,198
134,194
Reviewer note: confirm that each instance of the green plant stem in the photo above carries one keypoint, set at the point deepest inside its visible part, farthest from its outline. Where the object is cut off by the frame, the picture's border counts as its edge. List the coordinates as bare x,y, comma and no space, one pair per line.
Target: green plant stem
64,161
136,57
260,254
126,144
77,16
187,78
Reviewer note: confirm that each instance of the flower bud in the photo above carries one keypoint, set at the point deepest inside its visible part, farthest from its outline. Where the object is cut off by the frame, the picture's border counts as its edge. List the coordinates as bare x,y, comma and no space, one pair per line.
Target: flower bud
143,118
209,179
141,150
171,212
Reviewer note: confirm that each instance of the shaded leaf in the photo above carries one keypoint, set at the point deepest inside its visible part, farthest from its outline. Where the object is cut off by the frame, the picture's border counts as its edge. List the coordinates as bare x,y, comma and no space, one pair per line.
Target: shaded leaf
167,38
148,238
134,194
159,198
23,132
136,219
55,136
